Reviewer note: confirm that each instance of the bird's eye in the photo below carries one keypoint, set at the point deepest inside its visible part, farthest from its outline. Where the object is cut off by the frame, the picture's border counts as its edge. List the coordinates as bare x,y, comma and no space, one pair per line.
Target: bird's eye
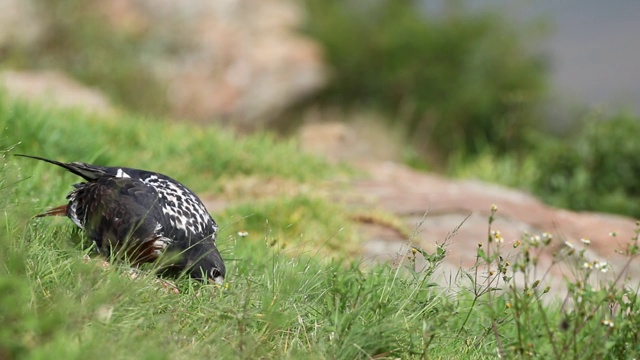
215,273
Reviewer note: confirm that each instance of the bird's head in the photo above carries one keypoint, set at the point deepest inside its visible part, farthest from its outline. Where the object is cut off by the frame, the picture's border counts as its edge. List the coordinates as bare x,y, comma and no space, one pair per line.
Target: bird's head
205,263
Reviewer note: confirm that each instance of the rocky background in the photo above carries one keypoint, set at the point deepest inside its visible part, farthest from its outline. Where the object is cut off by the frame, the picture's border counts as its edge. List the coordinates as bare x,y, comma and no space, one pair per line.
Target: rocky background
244,62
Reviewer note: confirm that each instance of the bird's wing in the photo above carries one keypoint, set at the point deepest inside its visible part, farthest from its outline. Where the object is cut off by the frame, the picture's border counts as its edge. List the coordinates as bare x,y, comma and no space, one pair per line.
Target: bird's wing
185,213
120,213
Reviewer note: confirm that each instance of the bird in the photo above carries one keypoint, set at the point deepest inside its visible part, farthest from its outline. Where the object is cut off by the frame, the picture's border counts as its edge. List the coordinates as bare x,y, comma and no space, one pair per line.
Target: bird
142,215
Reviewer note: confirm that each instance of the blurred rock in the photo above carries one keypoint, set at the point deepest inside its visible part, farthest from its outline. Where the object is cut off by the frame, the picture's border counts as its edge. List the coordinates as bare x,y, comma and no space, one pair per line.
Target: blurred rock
239,60
356,138
435,210
20,23
53,88
435,206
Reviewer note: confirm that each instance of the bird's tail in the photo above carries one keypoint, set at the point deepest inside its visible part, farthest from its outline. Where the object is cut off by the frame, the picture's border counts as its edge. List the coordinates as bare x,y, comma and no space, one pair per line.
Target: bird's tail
86,171
56,211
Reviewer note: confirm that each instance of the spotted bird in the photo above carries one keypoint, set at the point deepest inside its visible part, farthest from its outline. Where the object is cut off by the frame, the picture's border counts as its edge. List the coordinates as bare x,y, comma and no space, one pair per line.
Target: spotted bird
142,215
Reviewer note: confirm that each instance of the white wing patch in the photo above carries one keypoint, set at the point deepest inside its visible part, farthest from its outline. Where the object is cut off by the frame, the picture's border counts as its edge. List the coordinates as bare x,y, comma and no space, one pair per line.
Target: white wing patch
184,210
121,174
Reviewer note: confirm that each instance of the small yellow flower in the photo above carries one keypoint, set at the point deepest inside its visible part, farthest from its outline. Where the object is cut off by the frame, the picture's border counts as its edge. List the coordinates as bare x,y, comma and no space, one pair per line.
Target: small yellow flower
508,305
494,207
516,244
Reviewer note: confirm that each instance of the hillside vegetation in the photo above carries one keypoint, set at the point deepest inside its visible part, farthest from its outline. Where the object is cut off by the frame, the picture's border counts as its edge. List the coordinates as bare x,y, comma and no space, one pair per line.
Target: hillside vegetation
465,86
292,291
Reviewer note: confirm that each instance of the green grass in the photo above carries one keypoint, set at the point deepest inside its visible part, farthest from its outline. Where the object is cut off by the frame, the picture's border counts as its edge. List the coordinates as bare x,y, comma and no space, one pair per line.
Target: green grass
293,290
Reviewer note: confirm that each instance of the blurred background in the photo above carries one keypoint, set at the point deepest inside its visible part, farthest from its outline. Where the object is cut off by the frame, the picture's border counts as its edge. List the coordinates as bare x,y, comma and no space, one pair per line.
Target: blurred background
538,95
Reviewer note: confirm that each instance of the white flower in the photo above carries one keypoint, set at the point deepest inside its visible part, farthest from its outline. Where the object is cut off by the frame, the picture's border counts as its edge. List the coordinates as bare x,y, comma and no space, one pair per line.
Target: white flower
243,233
585,241
602,266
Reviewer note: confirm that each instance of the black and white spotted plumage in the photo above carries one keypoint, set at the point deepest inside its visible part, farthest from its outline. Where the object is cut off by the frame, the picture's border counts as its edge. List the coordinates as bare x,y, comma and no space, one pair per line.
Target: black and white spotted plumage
141,215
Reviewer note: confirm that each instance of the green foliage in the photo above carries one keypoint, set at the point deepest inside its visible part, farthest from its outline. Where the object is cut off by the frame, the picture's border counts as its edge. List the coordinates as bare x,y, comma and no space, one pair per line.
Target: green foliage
597,171
276,302
458,81
594,170
504,304
300,223
510,169
58,304
173,148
